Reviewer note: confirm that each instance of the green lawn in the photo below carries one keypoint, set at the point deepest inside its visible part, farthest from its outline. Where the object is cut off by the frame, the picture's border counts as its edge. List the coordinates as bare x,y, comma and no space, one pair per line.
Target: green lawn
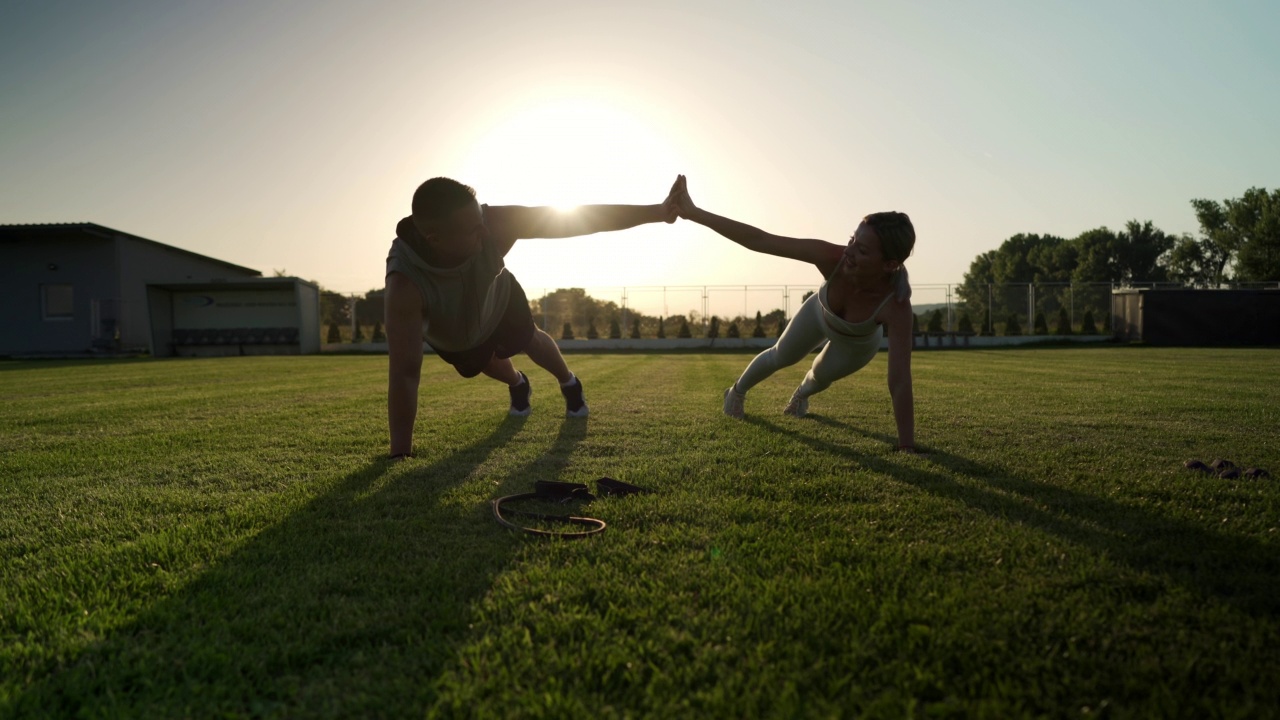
223,538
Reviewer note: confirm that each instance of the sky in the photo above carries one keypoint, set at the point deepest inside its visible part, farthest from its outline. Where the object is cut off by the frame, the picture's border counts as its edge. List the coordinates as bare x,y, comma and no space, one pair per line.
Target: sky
290,135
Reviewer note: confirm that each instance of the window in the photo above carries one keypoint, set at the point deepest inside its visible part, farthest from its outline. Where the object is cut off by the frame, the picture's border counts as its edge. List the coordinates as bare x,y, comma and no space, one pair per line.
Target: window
57,302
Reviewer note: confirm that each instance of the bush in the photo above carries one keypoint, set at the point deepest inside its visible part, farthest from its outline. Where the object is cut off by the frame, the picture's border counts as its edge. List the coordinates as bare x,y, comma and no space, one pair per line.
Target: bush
635,328
335,335
684,328
1087,327
662,332
615,331
378,335
591,330
782,325
356,335
567,333
1012,327
965,325
1041,327
713,327
733,330
1064,323
759,331
935,321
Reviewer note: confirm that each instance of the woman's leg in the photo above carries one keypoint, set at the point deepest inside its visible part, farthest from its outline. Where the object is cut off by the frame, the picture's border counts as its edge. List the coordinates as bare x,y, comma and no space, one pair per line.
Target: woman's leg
801,336
837,360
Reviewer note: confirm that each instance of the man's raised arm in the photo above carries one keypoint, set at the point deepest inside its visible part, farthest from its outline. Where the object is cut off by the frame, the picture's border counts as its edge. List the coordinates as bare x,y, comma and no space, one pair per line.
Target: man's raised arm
508,223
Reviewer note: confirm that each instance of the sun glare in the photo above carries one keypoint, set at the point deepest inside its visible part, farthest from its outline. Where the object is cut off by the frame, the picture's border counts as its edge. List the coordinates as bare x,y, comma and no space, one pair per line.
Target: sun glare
570,151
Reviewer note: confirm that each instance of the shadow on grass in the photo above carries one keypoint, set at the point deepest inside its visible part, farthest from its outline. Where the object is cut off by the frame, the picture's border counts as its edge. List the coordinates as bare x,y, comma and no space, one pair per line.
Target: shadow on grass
1233,568
351,606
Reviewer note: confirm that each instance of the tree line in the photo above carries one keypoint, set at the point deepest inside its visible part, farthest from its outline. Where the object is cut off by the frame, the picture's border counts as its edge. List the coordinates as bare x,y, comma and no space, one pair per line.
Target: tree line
567,313
1035,275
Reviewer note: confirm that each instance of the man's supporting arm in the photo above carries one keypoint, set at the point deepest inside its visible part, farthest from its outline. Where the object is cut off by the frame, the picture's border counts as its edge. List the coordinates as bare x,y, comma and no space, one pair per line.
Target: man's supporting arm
404,348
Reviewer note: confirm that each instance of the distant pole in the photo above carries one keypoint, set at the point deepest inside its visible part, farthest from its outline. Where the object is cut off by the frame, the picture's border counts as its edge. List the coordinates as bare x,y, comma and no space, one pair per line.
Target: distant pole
991,312
1031,306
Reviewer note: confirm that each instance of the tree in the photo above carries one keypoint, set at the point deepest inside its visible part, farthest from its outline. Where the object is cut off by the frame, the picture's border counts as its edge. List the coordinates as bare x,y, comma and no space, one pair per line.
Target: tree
1012,327
335,335
1218,241
1087,327
1247,227
356,335
733,330
964,325
1190,262
1097,257
662,332
1138,250
684,328
1064,322
591,329
635,328
378,336
615,330
1040,327
567,332
759,329
713,327
935,321
782,326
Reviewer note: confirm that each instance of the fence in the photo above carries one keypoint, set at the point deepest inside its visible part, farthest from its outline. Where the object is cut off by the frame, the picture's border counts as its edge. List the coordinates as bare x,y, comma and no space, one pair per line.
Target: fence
1016,308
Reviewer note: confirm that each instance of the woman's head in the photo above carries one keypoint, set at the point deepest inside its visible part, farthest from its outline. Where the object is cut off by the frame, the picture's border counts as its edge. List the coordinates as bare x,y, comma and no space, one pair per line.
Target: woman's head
896,234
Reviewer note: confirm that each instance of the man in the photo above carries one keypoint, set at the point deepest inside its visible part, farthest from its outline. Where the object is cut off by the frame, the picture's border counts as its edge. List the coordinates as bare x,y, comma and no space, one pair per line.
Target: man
446,276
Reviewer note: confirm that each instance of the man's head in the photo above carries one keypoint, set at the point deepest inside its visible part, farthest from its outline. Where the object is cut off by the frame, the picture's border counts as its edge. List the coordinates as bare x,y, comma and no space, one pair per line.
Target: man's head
446,214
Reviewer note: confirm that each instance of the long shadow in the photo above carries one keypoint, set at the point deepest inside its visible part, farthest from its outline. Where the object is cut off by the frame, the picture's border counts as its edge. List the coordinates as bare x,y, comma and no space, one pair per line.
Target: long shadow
1235,569
381,572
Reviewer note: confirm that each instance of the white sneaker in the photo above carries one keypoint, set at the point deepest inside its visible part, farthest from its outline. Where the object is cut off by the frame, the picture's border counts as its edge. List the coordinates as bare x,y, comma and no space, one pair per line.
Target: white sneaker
733,403
798,406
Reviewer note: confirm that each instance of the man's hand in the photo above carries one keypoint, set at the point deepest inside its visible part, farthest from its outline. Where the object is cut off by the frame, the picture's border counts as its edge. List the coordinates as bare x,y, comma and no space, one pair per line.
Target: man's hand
670,206
684,203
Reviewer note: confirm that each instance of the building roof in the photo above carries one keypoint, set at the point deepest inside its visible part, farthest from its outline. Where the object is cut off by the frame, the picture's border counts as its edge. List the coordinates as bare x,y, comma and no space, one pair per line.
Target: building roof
14,232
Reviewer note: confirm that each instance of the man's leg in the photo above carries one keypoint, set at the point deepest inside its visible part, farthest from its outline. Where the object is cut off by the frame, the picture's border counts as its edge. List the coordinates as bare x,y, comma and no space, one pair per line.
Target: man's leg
542,349
517,384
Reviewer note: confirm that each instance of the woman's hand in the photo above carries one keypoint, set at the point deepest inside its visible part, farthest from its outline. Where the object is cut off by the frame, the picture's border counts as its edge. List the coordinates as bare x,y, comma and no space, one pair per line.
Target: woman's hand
684,202
671,206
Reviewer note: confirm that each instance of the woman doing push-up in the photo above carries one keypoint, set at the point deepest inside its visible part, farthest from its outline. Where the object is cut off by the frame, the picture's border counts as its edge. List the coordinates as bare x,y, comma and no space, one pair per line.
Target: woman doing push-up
866,289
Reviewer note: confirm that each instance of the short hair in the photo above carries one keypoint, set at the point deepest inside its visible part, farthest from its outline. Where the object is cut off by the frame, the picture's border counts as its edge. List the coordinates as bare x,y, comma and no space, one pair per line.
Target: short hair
436,198
896,233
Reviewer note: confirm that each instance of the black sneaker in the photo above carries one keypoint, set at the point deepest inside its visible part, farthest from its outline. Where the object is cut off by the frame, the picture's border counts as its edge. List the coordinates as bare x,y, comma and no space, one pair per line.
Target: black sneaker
574,405
520,397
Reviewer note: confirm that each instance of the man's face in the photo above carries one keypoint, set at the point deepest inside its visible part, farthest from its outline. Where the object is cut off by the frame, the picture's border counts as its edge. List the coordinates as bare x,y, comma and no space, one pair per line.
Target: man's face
459,236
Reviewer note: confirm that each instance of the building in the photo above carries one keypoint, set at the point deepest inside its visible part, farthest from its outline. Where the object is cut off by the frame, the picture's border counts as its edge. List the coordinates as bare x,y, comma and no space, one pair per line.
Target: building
82,289
1190,317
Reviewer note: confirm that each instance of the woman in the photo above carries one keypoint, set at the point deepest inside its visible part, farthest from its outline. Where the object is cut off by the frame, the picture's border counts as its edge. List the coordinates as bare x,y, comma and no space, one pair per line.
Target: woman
866,289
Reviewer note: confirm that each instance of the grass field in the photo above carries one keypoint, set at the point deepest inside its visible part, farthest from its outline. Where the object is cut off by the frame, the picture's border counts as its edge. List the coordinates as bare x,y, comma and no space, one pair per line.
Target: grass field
223,538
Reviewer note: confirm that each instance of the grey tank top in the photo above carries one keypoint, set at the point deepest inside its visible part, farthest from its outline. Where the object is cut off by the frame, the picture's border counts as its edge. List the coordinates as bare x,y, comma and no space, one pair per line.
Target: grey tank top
461,306
868,331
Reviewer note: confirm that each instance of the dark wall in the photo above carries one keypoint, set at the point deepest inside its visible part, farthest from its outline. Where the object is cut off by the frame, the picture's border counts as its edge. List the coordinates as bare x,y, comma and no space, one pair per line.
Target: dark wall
1203,317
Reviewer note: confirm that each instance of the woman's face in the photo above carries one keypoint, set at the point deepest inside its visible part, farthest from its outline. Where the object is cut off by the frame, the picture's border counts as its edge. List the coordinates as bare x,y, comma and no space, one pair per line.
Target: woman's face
863,254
